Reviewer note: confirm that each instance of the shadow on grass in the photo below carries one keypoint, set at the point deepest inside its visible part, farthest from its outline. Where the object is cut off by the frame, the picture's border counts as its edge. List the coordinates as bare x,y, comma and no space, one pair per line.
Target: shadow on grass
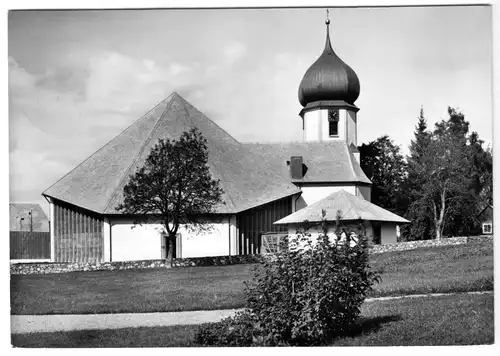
370,325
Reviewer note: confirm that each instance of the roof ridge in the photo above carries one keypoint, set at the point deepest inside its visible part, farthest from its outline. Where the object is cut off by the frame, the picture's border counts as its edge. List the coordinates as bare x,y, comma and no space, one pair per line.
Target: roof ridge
351,164
140,151
184,102
107,143
291,142
206,117
349,198
357,177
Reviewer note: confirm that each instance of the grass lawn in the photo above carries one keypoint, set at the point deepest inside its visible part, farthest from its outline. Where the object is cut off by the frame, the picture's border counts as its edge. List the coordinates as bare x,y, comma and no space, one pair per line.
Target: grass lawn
458,268
436,269
449,320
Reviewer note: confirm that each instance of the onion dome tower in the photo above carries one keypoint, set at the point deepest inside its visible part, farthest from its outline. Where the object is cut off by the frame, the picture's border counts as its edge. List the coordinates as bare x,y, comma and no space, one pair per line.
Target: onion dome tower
327,92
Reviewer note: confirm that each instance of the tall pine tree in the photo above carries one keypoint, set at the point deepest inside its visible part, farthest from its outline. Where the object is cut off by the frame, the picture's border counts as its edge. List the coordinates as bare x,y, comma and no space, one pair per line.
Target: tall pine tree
419,211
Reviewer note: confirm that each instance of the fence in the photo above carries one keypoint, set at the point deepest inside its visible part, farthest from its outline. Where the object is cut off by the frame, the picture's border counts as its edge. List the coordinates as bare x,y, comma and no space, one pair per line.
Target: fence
25,245
271,242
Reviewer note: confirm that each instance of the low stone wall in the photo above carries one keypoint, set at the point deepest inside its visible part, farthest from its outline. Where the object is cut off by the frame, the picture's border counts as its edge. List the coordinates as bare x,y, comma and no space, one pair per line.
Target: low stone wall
217,261
48,267
411,245
481,238
60,267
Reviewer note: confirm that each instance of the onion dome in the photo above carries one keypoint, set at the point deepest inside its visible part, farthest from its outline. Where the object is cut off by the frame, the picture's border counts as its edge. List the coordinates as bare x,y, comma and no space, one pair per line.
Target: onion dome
329,79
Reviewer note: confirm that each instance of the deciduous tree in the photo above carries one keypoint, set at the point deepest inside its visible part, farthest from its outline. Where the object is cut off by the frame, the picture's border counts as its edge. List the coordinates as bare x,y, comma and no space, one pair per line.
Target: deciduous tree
383,163
174,185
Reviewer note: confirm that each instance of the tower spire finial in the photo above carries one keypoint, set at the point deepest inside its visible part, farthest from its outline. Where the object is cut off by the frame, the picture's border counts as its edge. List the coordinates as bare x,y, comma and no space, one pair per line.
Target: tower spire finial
328,45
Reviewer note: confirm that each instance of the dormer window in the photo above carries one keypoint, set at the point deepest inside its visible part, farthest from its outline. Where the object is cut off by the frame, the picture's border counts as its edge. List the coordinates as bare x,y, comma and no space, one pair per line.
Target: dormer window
333,122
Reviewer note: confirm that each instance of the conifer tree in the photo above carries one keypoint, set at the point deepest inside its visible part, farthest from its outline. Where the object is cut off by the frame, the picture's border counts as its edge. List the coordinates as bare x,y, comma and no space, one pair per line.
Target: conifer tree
419,211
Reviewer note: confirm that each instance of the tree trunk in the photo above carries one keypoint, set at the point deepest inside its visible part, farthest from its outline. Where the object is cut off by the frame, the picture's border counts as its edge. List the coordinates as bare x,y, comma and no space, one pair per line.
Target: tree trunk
439,233
171,247
439,219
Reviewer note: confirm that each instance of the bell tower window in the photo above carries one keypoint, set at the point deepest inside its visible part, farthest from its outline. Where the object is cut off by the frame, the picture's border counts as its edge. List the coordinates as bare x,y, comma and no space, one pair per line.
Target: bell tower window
333,122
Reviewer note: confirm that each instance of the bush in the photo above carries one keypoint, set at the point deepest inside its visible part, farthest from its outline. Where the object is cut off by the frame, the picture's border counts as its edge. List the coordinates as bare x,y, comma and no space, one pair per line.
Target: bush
304,296
232,331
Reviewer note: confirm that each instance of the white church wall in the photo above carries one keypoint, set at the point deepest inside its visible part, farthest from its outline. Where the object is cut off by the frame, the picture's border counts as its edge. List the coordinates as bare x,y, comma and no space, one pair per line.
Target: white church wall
365,192
52,229
313,233
351,128
312,126
214,242
388,233
129,241
311,195
107,240
316,126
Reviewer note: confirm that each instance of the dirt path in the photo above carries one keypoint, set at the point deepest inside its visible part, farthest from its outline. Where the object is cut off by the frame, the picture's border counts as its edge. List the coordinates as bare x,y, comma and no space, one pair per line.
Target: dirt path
49,323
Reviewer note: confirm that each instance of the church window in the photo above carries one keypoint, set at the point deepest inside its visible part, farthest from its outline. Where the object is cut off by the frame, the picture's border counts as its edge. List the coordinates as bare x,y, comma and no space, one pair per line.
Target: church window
333,122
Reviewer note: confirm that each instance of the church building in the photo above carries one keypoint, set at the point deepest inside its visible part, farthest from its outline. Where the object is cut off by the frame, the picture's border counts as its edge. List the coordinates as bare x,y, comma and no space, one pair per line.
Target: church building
263,183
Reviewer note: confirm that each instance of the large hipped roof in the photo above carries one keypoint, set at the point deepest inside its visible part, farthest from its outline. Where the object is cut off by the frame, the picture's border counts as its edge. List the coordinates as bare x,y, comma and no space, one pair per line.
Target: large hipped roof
325,162
97,184
350,207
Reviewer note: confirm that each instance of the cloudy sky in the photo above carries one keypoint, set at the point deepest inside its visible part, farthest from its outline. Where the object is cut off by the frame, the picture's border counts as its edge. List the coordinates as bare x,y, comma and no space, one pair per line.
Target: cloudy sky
78,78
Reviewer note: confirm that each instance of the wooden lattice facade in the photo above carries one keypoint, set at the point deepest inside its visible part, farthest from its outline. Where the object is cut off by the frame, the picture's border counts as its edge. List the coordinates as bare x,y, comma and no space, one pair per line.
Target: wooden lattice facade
78,234
254,222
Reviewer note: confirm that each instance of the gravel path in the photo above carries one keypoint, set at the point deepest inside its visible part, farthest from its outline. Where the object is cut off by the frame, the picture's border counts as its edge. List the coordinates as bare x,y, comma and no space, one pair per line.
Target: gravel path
49,323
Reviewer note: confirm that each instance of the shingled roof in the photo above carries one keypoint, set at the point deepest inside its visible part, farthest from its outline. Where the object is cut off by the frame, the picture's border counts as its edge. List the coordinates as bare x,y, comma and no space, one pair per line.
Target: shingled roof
350,206
326,162
97,184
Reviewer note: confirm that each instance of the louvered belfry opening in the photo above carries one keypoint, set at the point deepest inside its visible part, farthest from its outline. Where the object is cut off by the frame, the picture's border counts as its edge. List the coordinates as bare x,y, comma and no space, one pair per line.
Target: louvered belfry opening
78,234
254,222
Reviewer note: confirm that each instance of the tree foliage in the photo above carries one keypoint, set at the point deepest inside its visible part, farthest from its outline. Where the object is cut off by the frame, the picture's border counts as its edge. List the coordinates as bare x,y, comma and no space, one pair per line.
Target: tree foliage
383,163
174,185
418,211
449,175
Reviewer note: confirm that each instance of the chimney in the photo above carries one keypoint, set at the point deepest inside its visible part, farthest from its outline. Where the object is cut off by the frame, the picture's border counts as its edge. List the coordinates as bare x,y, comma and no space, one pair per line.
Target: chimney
296,167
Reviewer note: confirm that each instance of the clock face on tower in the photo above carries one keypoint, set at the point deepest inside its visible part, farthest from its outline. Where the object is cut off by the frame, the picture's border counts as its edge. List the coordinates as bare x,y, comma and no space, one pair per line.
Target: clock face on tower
333,115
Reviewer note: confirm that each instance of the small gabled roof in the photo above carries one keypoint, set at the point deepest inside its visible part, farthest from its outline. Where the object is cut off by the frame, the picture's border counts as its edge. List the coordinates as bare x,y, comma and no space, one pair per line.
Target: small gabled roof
17,211
97,183
350,206
325,161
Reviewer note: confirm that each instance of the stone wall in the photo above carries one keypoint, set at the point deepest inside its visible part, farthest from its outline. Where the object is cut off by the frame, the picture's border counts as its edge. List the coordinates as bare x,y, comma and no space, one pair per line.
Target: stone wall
216,261
411,245
60,267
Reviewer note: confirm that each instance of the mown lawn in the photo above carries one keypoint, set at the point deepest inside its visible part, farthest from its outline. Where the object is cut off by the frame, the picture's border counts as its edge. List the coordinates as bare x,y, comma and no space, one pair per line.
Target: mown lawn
438,269
449,320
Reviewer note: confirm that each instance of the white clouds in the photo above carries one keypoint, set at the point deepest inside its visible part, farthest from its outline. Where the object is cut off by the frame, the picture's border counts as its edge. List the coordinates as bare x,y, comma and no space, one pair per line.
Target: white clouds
53,128
177,68
234,51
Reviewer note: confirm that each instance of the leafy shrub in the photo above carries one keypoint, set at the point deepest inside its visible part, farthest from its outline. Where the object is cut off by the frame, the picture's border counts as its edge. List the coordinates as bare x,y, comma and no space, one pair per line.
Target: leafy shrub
312,294
232,331
306,295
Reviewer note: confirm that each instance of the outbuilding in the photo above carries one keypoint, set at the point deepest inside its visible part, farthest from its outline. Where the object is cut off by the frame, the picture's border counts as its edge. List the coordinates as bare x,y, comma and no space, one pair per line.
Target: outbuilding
353,213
